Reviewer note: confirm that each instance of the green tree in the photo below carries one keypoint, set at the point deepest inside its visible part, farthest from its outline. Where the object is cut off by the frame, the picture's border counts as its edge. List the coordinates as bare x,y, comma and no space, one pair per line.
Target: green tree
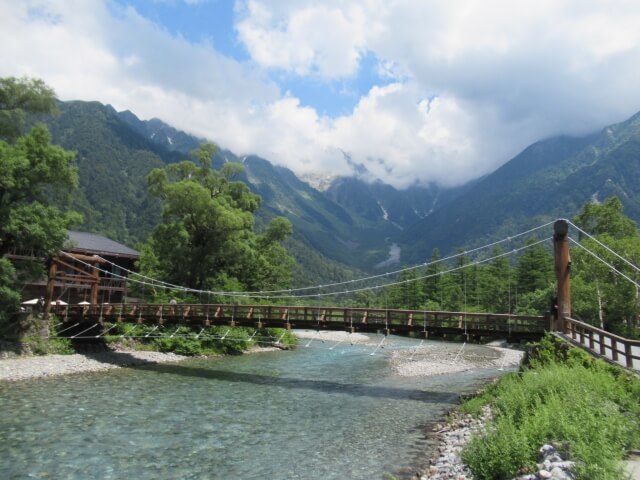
534,270
496,284
432,287
19,97
458,284
206,238
35,176
408,293
602,296
606,218
9,296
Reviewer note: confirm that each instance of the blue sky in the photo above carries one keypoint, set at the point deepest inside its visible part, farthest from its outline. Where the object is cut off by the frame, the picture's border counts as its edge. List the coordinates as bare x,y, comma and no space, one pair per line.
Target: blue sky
210,21
214,21
417,91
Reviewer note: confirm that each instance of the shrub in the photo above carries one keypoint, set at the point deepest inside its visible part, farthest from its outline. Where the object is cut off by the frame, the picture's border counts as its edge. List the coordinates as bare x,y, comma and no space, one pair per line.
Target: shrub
566,397
178,345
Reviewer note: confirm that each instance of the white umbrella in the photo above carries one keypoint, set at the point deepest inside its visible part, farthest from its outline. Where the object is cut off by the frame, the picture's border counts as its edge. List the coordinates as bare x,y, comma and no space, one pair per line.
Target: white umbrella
59,302
33,301
84,302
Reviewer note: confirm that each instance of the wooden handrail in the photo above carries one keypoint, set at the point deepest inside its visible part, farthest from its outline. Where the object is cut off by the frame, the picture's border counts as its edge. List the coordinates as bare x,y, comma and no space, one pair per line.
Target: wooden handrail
635,343
627,343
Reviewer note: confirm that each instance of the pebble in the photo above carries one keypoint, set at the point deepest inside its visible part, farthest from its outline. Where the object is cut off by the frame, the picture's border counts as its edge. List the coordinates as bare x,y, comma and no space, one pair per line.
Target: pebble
448,463
29,367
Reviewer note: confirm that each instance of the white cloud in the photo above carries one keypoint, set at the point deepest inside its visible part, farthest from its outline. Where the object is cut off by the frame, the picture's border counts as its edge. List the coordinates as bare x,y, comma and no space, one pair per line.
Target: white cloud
474,82
503,76
315,39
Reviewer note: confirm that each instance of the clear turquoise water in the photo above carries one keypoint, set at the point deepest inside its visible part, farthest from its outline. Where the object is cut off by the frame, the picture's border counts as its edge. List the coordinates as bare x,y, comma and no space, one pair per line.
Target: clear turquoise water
313,413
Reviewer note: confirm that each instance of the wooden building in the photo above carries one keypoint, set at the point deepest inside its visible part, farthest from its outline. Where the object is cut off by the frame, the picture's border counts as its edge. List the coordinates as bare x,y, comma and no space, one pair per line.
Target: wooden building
90,268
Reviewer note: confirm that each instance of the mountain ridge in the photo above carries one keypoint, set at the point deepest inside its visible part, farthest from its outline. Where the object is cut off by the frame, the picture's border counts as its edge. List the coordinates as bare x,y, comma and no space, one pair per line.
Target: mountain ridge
352,222
549,179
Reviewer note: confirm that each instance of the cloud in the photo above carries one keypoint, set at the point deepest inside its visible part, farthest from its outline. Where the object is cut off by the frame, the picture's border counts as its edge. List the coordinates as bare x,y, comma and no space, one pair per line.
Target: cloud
316,39
503,76
472,83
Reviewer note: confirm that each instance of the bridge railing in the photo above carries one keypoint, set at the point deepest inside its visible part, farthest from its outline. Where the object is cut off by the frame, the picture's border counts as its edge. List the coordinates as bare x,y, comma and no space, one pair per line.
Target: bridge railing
310,317
608,344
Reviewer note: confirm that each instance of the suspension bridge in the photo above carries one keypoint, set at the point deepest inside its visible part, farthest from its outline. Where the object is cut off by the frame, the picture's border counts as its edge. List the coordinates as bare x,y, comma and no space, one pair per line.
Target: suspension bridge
388,321
95,319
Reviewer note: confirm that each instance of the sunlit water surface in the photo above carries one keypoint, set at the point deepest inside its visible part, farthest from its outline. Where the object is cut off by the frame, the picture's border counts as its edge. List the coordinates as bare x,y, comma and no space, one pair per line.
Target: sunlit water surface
314,413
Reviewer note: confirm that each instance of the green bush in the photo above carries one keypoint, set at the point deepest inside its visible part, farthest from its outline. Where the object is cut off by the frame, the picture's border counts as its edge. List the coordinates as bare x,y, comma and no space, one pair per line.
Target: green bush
184,340
566,397
178,345
500,454
269,336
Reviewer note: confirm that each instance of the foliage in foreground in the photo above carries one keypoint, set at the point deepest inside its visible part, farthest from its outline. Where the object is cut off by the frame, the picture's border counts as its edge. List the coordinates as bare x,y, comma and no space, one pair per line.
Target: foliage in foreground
587,407
35,180
212,340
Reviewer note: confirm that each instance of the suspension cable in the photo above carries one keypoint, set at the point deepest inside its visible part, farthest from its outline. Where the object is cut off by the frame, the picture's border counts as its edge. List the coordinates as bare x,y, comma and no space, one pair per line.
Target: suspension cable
345,282
325,294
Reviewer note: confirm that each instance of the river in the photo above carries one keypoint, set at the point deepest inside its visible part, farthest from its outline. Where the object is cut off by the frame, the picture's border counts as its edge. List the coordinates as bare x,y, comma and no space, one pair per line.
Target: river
313,413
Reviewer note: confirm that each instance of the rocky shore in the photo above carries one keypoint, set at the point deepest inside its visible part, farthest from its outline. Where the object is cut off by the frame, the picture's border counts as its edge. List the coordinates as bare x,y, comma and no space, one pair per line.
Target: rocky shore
442,360
30,367
447,463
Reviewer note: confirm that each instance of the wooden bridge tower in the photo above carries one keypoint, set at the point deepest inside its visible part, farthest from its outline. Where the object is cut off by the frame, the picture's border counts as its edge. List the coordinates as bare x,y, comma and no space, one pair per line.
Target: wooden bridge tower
562,261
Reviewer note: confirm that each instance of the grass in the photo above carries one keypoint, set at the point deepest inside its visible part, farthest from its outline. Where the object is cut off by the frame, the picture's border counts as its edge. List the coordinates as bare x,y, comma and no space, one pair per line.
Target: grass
587,407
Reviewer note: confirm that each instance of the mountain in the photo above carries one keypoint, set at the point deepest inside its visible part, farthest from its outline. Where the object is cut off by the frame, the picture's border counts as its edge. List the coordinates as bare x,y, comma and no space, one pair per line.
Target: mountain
549,179
352,224
113,160
378,201
328,227
115,151
161,134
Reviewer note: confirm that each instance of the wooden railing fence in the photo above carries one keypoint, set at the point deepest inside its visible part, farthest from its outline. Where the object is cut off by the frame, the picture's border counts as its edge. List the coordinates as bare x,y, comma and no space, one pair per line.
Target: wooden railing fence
608,344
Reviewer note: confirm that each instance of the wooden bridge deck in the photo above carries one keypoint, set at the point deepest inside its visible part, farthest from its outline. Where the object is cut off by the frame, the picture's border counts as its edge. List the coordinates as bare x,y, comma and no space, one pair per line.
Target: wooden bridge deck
389,321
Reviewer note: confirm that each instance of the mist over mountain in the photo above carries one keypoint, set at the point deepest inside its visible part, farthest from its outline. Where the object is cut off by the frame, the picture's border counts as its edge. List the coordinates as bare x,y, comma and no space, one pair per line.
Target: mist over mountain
550,179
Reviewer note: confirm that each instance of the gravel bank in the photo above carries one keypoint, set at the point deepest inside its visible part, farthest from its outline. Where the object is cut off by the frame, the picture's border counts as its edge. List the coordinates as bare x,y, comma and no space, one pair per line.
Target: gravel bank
443,359
333,336
28,367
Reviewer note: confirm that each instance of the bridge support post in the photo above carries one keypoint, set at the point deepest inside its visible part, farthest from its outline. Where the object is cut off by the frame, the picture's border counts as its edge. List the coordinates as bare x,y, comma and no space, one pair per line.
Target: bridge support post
562,260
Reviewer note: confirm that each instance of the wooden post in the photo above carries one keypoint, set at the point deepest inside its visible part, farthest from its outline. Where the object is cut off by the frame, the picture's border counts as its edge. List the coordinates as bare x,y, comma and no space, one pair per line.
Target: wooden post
51,284
562,267
95,285
628,354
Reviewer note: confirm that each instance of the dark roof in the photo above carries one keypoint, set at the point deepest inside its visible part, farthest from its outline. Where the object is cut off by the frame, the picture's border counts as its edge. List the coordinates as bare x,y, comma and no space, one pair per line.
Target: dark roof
97,244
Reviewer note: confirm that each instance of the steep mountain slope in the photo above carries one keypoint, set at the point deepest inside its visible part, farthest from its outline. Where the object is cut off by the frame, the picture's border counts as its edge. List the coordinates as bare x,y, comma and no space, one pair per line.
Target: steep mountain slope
330,228
549,179
378,201
161,134
112,160
336,231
